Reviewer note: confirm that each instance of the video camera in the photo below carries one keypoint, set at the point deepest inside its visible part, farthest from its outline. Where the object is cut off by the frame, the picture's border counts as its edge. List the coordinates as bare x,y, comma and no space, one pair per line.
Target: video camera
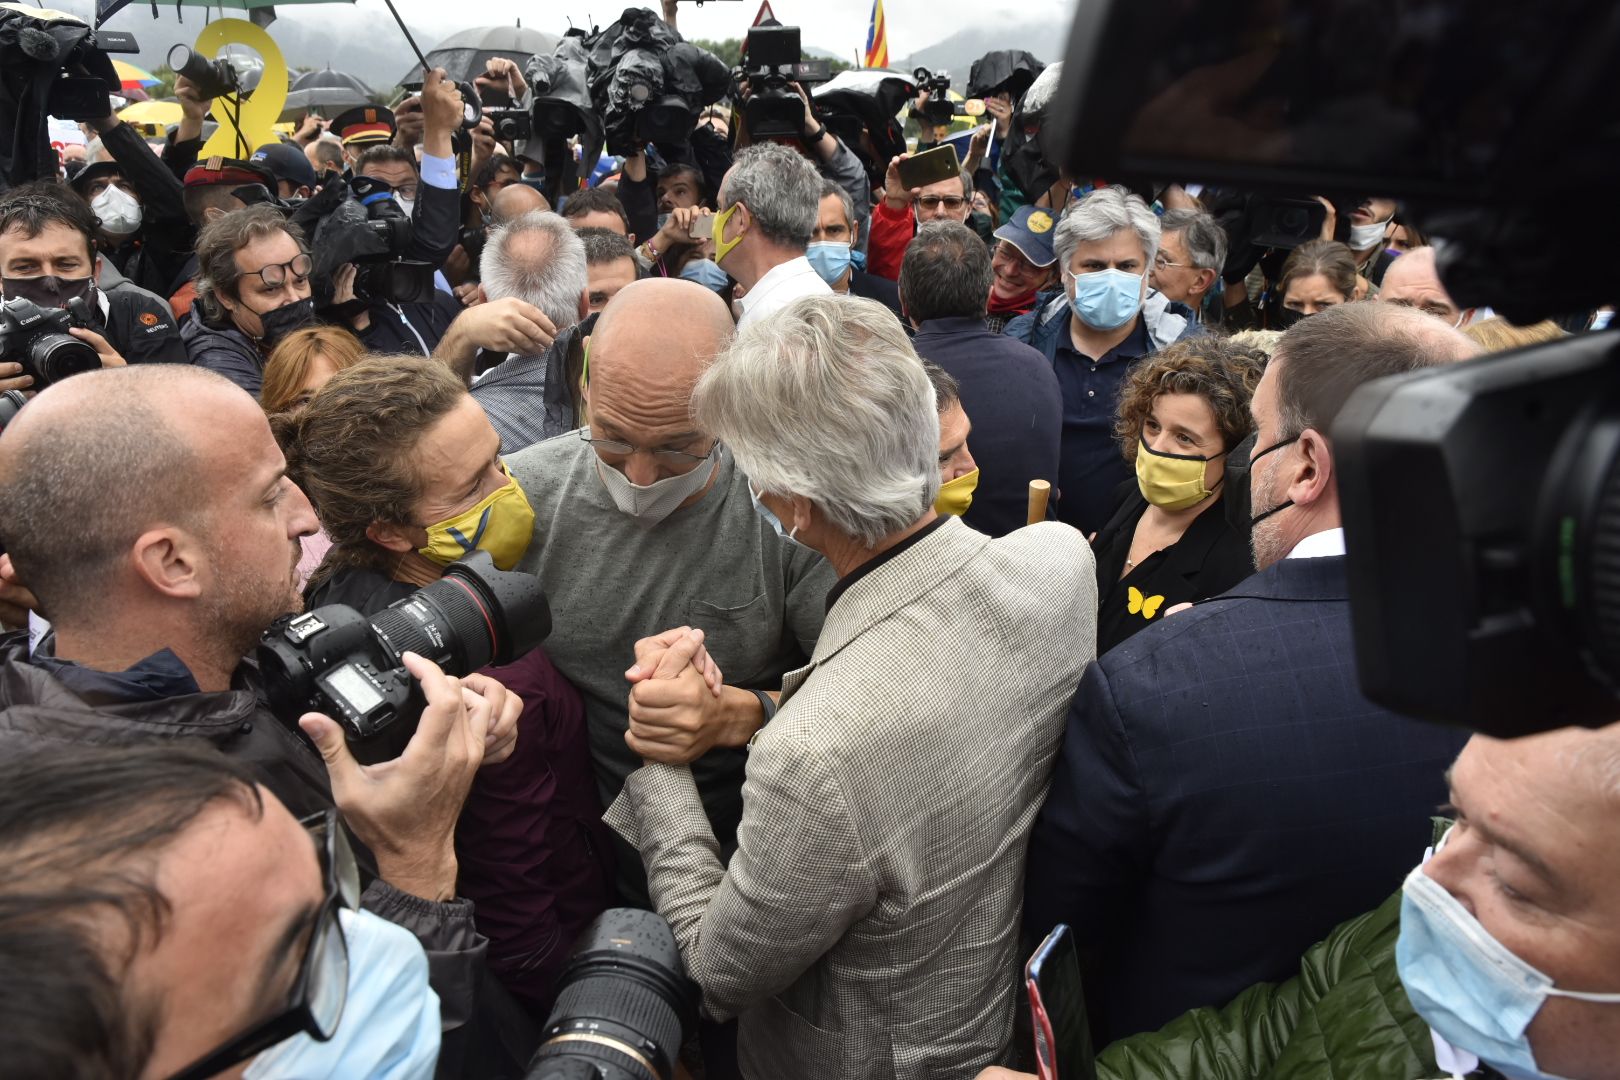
939,108
624,1004
1480,499
771,60
38,339
358,221
336,661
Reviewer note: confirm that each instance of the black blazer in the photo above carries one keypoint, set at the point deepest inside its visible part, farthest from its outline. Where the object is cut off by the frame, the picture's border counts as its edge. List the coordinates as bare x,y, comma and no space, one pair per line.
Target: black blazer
1211,556
1224,797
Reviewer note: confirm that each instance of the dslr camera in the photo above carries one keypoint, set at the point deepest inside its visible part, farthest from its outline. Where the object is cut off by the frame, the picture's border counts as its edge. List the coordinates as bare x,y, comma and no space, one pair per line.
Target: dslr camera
939,108
38,339
511,125
212,78
336,661
771,60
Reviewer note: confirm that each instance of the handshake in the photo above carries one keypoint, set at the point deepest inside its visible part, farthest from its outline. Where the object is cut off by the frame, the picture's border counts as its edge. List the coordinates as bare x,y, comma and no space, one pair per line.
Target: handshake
680,707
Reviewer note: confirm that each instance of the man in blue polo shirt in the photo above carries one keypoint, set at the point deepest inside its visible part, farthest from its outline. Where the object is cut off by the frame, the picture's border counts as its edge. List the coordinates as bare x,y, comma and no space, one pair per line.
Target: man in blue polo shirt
1105,318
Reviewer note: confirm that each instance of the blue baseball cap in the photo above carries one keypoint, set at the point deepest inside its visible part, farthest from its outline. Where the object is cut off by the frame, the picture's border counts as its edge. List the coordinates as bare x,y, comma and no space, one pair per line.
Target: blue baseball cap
1030,231
287,163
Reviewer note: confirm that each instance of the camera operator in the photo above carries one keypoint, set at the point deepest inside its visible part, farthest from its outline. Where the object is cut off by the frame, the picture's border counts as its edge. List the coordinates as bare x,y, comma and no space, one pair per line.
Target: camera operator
405,472
253,289
431,199
157,906
48,256
159,568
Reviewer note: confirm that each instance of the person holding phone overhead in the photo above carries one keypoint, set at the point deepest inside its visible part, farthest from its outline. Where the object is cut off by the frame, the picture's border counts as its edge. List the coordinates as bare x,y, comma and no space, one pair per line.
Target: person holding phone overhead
917,189
1170,539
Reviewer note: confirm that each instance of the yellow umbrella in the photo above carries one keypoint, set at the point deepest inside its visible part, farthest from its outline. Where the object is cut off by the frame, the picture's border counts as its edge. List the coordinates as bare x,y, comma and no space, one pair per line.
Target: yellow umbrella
152,116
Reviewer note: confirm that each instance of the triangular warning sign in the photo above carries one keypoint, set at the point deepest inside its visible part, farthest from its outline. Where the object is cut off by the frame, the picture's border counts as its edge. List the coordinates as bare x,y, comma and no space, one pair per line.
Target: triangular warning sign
765,13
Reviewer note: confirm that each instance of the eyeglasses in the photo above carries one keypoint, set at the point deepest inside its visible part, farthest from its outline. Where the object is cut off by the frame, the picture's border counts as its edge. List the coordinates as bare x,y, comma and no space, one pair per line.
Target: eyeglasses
318,994
1162,263
275,275
624,449
931,203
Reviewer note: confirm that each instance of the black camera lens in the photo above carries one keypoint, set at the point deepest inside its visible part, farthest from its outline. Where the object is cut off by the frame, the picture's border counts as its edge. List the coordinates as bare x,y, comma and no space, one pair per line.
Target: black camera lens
11,403
623,1006
53,357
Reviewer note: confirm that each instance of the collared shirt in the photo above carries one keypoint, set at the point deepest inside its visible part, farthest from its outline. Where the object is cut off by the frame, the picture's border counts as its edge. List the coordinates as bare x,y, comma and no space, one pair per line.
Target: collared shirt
1322,545
439,172
1092,466
526,397
783,284
157,677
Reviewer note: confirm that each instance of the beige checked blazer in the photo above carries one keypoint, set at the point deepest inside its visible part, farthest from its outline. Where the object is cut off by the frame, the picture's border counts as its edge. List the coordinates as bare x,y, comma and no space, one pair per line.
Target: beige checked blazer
867,926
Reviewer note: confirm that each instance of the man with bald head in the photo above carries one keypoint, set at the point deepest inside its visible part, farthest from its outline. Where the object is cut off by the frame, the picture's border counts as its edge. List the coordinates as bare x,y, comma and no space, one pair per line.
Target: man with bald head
149,511
515,200
643,524
1413,281
1225,795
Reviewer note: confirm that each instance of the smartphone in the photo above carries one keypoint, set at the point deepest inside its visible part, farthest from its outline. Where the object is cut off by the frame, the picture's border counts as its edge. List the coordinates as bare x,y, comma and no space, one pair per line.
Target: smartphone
703,227
1057,1003
929,167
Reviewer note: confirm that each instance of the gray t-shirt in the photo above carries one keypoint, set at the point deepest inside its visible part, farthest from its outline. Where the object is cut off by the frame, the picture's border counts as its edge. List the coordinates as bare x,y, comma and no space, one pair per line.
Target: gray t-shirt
715,565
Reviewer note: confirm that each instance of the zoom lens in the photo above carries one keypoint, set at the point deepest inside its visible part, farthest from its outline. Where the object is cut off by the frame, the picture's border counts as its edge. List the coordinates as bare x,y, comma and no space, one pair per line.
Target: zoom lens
624,1003
53,357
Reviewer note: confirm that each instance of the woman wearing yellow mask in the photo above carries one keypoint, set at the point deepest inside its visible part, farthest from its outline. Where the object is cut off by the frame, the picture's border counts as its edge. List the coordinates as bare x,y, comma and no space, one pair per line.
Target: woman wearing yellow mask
1170,540
404,471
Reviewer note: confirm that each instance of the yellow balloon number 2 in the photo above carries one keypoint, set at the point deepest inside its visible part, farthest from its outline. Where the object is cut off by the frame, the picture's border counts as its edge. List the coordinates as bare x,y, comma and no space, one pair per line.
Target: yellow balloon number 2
259,112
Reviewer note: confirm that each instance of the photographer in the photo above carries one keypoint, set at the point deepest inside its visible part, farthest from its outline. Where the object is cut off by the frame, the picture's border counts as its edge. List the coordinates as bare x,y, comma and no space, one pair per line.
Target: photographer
159,568
399,460
48,256
253,289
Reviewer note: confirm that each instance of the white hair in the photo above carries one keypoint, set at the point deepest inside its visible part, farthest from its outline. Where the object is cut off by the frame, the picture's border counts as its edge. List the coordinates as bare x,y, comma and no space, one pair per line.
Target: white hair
827,400
549,275
781,189
1101,214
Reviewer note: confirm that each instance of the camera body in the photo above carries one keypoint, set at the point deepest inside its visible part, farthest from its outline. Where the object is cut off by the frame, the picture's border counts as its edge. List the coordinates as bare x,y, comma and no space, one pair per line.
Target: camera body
38,339
383,273
336,661
511,125
212,78
772,60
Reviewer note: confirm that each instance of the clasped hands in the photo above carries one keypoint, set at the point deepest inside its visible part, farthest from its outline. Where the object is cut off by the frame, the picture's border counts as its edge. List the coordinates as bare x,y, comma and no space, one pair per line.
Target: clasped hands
680,707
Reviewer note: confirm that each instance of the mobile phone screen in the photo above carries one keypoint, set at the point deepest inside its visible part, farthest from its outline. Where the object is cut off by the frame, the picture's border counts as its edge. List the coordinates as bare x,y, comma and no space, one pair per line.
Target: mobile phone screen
1058,1001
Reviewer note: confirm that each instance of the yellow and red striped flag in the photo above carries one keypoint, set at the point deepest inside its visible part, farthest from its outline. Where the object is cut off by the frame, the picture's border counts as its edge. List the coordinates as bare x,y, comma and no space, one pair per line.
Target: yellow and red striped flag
877,39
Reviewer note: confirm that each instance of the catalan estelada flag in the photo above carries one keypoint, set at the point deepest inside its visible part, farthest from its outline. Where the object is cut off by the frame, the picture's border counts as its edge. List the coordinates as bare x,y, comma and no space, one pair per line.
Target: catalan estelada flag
877,40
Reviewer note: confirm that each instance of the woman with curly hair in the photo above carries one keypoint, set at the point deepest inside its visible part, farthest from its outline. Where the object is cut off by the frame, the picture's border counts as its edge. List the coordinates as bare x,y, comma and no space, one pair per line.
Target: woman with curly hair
1170,540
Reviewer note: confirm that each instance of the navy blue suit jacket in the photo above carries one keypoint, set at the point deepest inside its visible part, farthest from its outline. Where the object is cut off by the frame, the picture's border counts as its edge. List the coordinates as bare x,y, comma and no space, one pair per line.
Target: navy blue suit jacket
1011,395
1224,797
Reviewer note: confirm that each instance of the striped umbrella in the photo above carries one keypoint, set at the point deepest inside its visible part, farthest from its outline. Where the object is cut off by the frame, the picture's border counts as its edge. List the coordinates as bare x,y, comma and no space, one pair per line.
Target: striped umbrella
131,77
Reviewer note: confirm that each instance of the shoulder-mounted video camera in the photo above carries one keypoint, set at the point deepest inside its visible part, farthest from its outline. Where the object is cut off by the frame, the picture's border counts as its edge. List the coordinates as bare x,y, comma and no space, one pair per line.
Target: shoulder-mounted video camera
771,60
939,108
358,221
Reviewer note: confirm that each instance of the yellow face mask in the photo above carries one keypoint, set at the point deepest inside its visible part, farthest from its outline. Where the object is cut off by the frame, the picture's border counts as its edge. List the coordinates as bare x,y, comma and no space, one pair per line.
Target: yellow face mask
722,246
956,496
501,524
1170,481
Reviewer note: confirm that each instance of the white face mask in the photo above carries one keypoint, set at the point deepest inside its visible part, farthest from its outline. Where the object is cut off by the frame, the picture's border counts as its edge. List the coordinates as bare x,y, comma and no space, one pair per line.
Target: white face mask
120,214
407,205
650,504
1363,237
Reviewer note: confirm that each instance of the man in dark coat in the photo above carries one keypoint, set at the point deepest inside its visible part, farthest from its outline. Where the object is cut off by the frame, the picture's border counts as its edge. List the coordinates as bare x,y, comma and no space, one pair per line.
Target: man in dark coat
1225,796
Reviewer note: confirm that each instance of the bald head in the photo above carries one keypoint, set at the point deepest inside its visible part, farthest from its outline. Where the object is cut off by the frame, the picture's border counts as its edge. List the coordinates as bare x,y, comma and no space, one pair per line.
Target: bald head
515,200
1413,281
95,460
663,330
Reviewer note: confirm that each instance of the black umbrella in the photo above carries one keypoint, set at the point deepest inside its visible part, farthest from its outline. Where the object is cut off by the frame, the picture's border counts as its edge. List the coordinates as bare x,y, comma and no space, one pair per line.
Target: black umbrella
325,89
463,55
1005,69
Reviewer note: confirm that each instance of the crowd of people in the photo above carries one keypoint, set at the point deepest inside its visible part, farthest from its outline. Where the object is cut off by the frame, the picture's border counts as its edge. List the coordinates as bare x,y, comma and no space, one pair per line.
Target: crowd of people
824,687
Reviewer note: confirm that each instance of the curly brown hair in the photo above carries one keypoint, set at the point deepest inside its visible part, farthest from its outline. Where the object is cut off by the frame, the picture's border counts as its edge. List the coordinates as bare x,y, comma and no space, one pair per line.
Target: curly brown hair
1215,368
351,448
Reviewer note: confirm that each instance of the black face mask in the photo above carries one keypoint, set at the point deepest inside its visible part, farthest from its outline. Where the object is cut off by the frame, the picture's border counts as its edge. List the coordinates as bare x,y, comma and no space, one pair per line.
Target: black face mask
49,291
285,319
1283,318
1285,504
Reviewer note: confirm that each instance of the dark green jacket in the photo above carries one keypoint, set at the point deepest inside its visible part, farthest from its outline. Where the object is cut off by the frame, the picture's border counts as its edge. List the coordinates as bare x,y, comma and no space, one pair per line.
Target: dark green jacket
1344,1015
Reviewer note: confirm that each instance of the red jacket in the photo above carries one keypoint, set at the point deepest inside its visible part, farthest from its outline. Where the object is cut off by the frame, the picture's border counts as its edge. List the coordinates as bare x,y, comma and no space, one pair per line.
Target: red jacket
890,234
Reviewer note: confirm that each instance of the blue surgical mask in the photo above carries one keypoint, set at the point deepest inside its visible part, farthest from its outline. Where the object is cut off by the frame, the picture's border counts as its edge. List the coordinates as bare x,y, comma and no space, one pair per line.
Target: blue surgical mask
707,273
829,259
859,259
776,522
389,1029
1468,986
1106,299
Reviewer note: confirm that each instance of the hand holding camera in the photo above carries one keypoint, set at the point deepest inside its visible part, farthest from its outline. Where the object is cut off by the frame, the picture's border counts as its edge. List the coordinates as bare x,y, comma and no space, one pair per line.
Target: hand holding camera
405,810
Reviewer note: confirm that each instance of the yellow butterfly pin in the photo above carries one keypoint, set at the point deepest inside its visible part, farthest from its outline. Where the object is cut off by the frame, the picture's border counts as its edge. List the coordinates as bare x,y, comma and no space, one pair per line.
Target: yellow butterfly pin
1147,607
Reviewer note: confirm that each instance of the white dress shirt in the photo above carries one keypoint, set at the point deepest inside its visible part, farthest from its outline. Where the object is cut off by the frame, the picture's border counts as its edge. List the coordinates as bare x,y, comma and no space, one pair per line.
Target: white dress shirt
782,285
1319,545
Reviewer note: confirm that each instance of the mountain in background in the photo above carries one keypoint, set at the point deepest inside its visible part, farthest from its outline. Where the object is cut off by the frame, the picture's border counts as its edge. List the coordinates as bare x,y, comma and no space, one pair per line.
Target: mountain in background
956,53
